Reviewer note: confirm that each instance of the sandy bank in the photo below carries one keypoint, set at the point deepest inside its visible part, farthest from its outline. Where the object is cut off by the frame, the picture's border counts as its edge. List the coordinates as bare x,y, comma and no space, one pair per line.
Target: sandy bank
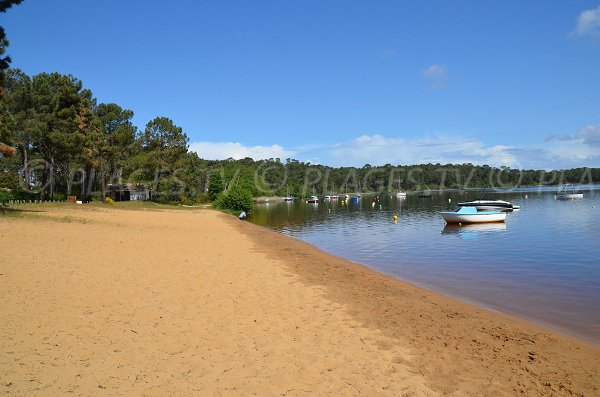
198,303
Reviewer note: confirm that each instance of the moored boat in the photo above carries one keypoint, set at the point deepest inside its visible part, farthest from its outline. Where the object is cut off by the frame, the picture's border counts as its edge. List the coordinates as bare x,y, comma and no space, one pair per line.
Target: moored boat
490,205
312,200
567,192
401,194
471,215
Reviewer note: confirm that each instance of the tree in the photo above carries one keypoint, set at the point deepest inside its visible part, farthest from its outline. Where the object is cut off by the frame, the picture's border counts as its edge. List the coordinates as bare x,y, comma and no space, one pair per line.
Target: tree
163,143
19,103
5,61
117,140
215,185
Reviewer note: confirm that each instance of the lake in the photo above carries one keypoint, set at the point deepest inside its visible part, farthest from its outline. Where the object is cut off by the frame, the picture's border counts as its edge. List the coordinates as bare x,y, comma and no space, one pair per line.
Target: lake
542,264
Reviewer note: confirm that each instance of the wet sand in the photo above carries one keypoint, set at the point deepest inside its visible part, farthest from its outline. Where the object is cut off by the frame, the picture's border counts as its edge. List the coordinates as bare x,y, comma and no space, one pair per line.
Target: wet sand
106,301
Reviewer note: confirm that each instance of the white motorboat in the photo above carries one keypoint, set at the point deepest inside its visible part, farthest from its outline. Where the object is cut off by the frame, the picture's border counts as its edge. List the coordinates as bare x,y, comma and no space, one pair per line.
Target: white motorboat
490,205
567,192
471,215
401,194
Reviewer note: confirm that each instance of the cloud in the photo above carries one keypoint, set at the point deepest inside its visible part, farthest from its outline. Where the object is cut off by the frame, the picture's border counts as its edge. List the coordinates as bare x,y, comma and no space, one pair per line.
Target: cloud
436,75
590,135
581,149
588,23
378,149
225,150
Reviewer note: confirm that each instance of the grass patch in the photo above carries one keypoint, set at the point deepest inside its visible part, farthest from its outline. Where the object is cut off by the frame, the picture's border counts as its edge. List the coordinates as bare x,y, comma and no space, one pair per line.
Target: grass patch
37,214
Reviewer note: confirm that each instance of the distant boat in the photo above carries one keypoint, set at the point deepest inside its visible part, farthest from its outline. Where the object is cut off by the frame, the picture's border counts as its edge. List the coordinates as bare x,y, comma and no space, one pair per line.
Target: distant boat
328,197
471,215
567,192
312,200
356,198
401,194
289,198
425,194
334,197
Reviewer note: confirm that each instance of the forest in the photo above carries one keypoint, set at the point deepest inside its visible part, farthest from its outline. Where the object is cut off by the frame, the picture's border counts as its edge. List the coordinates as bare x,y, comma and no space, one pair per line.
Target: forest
69,144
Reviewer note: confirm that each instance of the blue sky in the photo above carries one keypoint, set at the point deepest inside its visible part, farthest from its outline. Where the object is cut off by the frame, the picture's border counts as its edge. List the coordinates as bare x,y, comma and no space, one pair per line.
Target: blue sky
338,82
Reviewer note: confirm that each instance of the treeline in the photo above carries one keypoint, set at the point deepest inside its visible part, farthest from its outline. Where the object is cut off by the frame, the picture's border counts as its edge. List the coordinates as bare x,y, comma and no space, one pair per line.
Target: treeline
69,144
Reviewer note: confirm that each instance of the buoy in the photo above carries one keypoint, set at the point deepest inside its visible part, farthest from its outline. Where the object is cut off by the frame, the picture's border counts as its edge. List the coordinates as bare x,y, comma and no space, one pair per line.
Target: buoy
395,218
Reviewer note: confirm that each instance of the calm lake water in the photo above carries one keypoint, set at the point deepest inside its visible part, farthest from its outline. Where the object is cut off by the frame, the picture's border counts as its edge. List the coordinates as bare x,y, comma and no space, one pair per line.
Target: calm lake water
543,264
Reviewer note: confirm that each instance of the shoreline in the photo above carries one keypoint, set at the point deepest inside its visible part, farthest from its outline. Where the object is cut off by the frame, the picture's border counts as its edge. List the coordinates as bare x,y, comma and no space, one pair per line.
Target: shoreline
196,302
473,305
504,325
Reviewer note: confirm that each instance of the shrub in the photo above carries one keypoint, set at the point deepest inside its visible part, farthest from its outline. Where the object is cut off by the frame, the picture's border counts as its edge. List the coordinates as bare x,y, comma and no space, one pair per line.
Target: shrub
236,199
5,196
9,180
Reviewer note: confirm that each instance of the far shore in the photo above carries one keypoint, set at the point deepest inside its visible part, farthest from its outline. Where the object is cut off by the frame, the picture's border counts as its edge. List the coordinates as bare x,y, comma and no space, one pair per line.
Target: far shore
111,300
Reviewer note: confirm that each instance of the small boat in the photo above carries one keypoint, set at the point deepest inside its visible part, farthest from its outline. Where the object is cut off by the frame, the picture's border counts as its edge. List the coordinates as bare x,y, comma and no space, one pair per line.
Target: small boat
490,205
289,199
327,197
356,198
567,192
312,200
334,197
401,194
471,215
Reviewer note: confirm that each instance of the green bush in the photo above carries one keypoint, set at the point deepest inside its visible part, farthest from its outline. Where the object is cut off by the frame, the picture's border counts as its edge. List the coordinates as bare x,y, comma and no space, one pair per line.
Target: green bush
236,199
5,196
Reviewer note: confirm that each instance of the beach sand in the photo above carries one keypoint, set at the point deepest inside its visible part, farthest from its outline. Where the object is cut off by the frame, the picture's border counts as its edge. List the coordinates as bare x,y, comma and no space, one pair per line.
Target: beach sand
114,302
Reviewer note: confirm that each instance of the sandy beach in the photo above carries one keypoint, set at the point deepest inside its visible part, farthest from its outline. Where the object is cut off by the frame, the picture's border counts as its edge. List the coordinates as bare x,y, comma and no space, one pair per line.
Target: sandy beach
113,302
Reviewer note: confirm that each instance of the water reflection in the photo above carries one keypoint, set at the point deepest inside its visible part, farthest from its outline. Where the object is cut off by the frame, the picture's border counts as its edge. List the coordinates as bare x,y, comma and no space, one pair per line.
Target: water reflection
471,232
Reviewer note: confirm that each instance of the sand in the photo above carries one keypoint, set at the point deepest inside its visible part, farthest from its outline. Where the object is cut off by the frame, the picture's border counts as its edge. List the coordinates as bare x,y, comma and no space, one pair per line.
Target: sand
113,302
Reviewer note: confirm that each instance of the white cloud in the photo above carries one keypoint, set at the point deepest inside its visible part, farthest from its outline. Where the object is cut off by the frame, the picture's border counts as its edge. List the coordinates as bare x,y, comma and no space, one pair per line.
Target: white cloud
581,149
225,150
437,75
588,23
590,135
378,149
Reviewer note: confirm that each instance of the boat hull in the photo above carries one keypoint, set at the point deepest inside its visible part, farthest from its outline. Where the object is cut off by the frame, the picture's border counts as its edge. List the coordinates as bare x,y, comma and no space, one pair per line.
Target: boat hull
454,217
